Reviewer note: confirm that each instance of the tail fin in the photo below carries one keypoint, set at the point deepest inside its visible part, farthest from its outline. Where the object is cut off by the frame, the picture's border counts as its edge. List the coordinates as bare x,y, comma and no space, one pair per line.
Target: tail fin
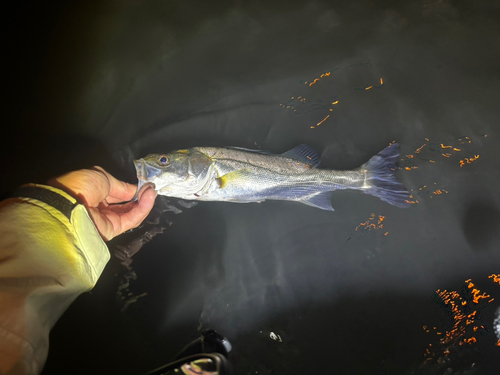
383,167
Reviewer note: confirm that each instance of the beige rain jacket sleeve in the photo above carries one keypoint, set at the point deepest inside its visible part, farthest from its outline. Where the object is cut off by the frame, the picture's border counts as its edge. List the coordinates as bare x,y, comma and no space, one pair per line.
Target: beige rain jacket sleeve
46,261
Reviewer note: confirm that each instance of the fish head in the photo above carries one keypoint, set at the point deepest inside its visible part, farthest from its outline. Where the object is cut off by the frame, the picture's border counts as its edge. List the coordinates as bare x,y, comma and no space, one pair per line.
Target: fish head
174,172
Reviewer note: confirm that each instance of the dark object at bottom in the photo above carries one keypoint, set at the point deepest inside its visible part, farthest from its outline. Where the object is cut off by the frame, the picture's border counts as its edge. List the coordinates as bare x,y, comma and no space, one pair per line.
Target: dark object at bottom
204,356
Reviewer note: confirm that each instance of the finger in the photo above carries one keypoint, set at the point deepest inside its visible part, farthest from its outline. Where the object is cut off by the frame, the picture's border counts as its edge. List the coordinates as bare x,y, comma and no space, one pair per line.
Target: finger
120,208
103,204
137,214
119,191
144,188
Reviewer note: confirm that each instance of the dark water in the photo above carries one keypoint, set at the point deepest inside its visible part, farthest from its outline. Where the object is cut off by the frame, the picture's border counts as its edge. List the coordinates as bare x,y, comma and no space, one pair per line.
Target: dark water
103,82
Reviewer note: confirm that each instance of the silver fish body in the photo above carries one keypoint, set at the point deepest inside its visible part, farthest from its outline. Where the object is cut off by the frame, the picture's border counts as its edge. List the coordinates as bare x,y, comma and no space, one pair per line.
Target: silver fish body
242,175
496,324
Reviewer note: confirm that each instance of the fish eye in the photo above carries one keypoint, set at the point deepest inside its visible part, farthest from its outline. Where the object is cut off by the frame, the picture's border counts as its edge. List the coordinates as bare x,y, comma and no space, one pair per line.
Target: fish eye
163,159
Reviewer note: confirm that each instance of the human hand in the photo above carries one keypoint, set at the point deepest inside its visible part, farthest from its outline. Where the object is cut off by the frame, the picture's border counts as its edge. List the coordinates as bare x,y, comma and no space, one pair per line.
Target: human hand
99,192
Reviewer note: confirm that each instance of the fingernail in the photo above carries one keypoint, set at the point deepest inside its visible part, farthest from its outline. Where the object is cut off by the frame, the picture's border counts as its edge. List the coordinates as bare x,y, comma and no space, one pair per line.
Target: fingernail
147,186
151,186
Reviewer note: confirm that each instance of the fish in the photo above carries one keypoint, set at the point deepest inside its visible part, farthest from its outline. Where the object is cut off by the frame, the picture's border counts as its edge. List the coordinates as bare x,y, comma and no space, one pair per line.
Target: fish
496,324
240,175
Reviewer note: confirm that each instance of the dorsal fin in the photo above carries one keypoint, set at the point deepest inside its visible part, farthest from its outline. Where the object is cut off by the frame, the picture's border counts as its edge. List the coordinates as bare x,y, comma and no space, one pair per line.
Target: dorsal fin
305,154
249,150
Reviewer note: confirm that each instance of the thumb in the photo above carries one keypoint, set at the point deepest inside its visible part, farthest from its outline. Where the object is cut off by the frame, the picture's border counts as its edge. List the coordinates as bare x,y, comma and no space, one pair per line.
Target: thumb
144,205
147,197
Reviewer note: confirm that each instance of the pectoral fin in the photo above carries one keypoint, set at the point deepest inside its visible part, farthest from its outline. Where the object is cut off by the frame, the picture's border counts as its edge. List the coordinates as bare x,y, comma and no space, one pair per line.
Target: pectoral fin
233,178
237,181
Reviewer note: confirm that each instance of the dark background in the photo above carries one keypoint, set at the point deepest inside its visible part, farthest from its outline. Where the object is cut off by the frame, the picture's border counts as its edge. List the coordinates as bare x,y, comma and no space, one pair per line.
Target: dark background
99,83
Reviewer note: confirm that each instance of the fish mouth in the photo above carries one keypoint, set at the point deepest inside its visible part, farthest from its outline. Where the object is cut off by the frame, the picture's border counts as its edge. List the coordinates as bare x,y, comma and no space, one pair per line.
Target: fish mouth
140,167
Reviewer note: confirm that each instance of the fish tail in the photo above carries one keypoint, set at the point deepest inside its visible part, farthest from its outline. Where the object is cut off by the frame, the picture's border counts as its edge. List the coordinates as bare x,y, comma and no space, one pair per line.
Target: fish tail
381,170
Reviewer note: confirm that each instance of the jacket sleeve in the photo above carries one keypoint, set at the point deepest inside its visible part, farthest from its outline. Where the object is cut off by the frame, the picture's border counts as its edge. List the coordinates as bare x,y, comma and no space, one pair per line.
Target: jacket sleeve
47,258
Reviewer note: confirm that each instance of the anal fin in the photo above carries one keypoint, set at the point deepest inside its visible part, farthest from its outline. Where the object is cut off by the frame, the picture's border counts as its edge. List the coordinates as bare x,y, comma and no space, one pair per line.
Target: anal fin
320,200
